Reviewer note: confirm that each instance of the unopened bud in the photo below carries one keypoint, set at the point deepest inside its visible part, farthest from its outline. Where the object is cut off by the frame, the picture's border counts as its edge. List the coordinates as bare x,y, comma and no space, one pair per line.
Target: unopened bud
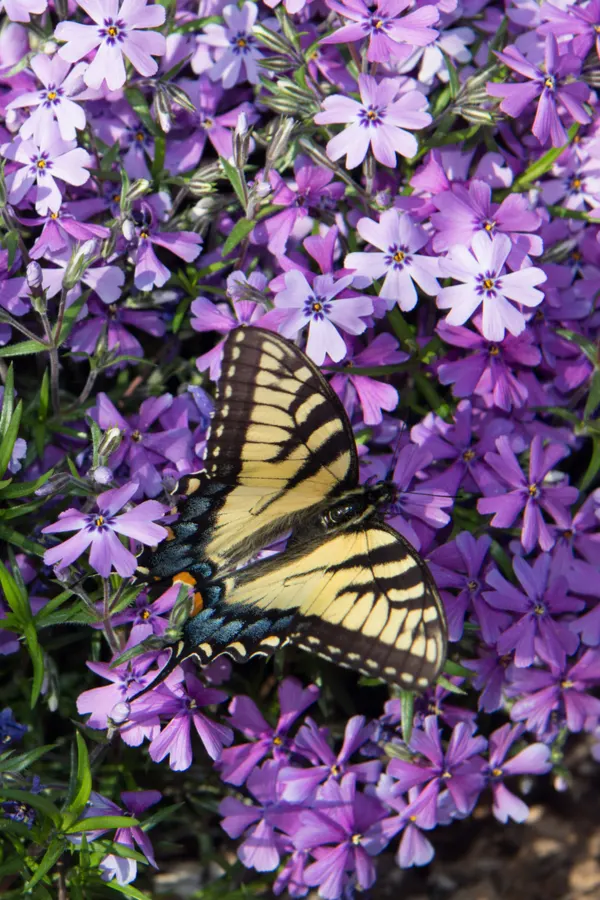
272,40
280,140
179,96
241,142
101,475
476,115
137,189
128,229
78,263
120,712
110,441
55,485
34,278
162,108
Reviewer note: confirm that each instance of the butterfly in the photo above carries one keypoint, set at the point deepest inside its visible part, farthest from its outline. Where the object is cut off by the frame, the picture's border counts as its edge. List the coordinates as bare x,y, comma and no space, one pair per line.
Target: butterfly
281,457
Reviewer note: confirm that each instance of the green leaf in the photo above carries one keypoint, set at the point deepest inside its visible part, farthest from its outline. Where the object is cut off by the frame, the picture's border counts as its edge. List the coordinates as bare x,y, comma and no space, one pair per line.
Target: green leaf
37,660
82,787
70,318
158,163
25,488
407,714
544,163
235,179
50,858
24,348
455,669
593,398
44,399
453,83
9,437
240,230
593,467
11,242
14,596
8,401
138,103
21,761
94,823
196,25
36,801
449,686
128,890
11,536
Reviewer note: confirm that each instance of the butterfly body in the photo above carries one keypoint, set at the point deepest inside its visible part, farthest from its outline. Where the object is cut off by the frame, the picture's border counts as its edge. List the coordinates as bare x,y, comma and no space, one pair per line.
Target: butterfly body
281,458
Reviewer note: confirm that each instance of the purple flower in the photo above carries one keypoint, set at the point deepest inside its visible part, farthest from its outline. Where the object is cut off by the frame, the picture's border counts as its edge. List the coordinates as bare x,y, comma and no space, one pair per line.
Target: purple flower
108,322
117,34
532,760
553,83
22,10
582,21
53,101
318,308
11,731
121,868
529,495
238,762
488,371
210,317
379,121
466,210
399,239
418,511
149,271
414,848
126,681
298,784
60,228
345,820
458,768
42,164
180,699
236,45
262,822
489,678
563,692
391,35
458,565
485,283
373,396
148,615
535,629
100,530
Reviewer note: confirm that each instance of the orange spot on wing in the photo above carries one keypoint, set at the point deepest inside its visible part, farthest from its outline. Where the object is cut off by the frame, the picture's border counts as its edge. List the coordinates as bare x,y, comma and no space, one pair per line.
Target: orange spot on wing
198,603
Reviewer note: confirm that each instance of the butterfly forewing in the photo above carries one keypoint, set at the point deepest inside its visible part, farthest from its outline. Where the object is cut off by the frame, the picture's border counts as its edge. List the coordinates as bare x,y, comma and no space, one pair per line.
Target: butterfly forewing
280,446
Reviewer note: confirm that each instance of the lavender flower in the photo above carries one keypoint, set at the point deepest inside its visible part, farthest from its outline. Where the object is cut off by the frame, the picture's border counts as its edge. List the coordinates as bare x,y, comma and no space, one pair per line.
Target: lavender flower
532,760
554,84
236,45
529,495
399,239
118,32
100,532
53,102
22,10
379,121
374,396
484,283
321,309
43,163
124,869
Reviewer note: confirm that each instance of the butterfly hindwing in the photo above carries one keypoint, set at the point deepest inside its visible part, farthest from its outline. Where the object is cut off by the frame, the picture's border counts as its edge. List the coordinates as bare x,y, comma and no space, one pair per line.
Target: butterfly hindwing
280,446
361,598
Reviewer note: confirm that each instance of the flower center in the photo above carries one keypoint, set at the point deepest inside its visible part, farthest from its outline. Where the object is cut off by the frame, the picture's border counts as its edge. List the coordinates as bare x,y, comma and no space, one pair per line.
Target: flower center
576,184
398,256
446,775
52,95
472,585
371,116
136,436
489,226
277,741
144,235
550,82
494,350
497,773
41,163
241,42
487,283
533,490
566,684
356,839
99,521
335,769
145,614
140,136
113,31
568,534
539,609
468,455
54,216
316,308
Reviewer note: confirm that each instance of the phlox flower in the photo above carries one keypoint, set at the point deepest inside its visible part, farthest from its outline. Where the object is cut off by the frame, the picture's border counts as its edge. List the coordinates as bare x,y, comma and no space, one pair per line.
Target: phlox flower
491,370
41,165
11,731
391,34
53,102
418,511
125,681
530,494
458,768
563,692
452,42
105,281
536,629
124,869
118,32
148,615
484,283
149,271
464,211
220,317
340,831
380,121
180,699
414,848
261,822
100,530
60,229
238,762
553,83
581,21
374,396
112,322
321,309
298,784
532,760
236,45
22,10
399,239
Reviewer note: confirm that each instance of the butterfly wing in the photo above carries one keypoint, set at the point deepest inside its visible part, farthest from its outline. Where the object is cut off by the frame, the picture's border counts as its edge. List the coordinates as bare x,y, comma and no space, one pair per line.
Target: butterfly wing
280,446
362,598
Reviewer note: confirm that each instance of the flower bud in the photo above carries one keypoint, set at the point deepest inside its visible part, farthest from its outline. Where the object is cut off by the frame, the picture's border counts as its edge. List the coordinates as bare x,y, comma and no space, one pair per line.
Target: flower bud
280,140
128,229
101,475
110,441
241,142
78,263
33,275
137,189
161,105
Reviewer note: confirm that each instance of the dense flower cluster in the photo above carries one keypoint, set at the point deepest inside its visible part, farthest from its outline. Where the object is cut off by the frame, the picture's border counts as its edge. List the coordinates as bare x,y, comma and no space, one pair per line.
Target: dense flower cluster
411,192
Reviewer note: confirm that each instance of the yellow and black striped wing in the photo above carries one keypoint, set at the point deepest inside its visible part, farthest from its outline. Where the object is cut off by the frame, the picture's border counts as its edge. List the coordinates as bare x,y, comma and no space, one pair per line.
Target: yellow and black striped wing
362,598
280,446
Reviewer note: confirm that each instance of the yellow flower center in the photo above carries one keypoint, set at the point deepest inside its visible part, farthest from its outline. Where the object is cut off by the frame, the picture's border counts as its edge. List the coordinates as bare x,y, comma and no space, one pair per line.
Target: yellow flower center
52,95
399,256
41,163
99,521
112,31
488,284
242,42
